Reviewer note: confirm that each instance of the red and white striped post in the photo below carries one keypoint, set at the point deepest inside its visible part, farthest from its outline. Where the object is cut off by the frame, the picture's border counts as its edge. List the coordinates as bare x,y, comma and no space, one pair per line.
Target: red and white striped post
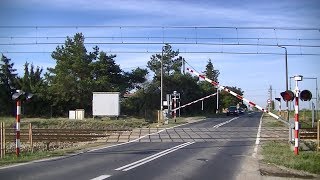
18,127
174,106
296,116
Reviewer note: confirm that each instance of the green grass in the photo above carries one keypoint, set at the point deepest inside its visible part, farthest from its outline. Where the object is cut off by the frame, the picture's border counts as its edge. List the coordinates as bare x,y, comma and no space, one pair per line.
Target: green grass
11,158
279,153
305,119
64,123
28,156
275,124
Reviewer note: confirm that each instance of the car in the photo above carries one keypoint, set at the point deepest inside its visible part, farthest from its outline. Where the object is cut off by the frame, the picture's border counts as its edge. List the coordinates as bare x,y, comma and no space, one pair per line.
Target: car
240,110
232,110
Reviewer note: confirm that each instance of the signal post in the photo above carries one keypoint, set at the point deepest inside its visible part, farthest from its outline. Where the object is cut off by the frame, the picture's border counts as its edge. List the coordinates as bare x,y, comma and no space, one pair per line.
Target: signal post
288,95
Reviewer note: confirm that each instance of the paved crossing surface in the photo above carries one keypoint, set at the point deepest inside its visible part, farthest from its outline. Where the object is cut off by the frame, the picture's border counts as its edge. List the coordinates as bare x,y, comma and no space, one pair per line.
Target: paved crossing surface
215,148
199,134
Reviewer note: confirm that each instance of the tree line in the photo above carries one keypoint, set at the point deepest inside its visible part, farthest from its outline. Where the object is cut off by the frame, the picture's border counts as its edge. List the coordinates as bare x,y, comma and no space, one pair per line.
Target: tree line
79,72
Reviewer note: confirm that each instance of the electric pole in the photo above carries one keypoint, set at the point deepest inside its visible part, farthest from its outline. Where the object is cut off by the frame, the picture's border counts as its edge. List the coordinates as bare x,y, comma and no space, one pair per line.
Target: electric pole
270,99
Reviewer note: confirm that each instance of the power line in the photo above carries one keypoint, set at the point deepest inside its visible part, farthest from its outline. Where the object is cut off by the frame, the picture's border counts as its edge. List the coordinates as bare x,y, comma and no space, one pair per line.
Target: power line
164,37
161,43
162,27
181,52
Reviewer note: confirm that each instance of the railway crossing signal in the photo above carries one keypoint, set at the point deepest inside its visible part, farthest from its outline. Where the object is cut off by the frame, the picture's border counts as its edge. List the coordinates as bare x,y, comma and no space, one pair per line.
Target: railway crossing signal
278,99
287,95
19,96
305,95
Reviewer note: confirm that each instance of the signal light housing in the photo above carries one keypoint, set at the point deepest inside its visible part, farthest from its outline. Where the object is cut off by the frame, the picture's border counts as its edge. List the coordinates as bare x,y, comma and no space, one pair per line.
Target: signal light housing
287,95
305,95
278,99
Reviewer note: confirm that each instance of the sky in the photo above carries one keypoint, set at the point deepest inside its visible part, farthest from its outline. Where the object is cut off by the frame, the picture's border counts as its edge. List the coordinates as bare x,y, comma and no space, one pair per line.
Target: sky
245,51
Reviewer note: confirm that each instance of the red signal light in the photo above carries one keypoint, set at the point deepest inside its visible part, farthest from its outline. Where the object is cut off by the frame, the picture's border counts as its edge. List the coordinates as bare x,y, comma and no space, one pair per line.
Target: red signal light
287,95
305,95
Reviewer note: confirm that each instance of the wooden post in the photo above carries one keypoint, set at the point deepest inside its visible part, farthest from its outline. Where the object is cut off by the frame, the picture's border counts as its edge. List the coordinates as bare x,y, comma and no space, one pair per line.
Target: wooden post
30,137
158,117
318,134
1,139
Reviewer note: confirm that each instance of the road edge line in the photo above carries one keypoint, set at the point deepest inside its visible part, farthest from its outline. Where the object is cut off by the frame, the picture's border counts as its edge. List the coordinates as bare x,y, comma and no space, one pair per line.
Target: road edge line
255,150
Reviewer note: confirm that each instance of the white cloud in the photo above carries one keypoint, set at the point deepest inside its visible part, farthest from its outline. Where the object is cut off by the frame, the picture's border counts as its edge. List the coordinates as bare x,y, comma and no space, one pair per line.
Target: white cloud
253,13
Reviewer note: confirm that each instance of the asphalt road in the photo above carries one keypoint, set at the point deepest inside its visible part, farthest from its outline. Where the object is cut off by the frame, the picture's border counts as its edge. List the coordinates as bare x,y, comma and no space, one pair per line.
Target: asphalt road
209,149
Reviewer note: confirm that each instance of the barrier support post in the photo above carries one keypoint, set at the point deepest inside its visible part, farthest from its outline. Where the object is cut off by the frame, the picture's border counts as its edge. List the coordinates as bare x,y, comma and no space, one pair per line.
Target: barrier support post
18,128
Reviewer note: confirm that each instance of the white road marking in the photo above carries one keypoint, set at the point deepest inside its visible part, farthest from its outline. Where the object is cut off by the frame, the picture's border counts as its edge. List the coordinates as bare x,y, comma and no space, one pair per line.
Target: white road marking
255,150
102,177
152,157
223,123
56,158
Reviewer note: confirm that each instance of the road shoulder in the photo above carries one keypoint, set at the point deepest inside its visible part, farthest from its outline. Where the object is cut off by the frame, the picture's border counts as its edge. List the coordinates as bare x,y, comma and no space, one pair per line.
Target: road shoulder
270,170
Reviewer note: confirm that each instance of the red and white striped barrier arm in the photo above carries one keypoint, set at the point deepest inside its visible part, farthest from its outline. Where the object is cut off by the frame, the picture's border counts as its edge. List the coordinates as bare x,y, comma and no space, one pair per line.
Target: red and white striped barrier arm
194,101
18,127
236,95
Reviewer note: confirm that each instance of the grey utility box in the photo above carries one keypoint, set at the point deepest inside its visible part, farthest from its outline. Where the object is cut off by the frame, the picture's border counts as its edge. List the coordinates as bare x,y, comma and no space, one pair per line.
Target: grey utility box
106,104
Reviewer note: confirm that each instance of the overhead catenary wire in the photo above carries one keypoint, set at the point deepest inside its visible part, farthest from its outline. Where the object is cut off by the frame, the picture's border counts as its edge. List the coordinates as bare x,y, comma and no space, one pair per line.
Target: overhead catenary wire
184,52
163,27
165,37
160,43
120,39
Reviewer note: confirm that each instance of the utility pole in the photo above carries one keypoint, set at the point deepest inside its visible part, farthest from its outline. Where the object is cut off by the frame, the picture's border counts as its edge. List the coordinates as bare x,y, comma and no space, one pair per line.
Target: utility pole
270,98
161,82
287,88
217,111
183,67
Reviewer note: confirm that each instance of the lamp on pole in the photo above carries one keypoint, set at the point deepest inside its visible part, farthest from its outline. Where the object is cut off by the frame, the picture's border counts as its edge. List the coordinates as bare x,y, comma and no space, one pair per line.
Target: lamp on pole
286,65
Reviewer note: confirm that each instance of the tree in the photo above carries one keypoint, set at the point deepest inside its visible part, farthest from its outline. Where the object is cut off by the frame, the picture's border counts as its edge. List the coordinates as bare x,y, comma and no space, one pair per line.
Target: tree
210,72
173,80
78,73
229,100
207,88
171,62
136,78
106,74
31,78
32,82
70,81
8,83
